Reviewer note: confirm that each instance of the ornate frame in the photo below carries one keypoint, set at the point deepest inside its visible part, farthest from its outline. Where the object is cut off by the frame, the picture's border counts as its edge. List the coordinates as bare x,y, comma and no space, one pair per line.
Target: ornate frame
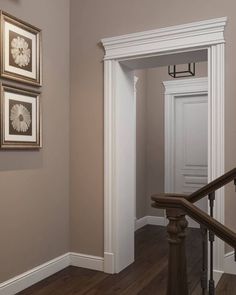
37,81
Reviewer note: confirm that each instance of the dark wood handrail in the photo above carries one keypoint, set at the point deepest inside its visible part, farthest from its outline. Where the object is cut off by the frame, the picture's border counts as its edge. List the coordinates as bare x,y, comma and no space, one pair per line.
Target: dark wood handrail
177,206
224,233
212,186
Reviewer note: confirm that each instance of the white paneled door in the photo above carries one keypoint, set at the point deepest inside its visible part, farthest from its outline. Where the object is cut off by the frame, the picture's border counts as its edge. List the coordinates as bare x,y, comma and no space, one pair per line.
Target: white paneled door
191,145
187,138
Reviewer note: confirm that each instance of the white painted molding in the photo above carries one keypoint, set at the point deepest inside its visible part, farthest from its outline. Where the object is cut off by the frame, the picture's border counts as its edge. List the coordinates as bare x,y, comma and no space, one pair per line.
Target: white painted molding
194,36
41,272
153,220
229,263
34,275
186,85
203,33
217,276
216,142
86,261
141,222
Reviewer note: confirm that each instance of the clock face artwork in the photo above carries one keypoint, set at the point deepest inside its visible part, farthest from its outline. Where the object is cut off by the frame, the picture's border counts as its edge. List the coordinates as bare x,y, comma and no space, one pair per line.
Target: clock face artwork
20,118
20,51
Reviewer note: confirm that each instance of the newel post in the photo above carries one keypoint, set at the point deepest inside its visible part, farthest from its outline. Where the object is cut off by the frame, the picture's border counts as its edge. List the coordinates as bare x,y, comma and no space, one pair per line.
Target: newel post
177,269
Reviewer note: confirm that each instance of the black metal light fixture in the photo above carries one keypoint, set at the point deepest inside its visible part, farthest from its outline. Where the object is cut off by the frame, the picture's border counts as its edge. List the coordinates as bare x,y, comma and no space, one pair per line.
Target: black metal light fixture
188,72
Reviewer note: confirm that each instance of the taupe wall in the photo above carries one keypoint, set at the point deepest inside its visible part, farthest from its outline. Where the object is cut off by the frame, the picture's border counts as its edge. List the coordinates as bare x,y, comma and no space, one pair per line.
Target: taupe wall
34,207
141,143
92,20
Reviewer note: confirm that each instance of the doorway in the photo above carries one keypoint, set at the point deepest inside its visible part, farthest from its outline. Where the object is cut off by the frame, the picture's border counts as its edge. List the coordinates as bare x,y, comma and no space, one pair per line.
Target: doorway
119,145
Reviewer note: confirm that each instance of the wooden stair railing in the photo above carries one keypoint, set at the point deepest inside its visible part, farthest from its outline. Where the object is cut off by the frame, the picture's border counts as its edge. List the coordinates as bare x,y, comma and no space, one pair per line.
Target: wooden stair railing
177,206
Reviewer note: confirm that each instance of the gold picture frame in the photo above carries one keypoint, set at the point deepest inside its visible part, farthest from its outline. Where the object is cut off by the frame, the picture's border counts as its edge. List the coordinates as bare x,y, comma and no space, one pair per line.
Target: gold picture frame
21,56
20,118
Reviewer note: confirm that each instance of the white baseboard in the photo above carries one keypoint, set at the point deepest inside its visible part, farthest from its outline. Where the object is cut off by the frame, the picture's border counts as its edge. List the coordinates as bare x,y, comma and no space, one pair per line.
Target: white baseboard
154,220
157,220
109,262
141,222
217,276
87,261
229,263
37,274
34,275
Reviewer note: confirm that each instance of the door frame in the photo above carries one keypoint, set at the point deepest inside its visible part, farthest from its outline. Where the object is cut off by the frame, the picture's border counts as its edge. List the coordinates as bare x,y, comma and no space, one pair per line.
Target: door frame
208,35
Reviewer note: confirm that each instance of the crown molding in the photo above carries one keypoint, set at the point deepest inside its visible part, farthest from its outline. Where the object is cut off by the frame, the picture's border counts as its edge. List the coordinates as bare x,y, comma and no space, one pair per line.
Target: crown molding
202,33
186,85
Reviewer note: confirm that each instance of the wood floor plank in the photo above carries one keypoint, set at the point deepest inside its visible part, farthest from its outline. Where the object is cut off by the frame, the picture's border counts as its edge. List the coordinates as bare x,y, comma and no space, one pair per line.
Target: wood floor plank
146,276
227,285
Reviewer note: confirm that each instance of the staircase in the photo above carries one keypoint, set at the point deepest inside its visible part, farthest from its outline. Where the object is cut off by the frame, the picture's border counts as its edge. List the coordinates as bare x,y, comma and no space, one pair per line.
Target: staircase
177,207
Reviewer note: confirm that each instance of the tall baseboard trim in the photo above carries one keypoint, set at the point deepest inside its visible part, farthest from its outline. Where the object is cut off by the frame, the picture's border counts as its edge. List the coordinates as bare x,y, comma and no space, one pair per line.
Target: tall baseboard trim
87,261
109,262
229,263
34,275
157,220
217,276
154,220
41,272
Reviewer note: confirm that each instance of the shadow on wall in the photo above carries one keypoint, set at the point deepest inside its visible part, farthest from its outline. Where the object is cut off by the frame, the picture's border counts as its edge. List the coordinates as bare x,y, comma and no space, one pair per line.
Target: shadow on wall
14,160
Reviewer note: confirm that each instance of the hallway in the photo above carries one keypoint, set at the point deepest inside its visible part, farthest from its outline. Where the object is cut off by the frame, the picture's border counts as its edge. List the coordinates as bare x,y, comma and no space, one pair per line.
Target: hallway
146,276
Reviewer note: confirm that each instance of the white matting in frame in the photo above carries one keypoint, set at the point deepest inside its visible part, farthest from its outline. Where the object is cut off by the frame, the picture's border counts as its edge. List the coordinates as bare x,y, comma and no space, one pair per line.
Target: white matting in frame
19,98
20,50
21,32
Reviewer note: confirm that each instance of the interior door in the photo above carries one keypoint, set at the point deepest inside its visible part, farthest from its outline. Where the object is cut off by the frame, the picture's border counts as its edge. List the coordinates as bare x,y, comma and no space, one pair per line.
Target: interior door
190,153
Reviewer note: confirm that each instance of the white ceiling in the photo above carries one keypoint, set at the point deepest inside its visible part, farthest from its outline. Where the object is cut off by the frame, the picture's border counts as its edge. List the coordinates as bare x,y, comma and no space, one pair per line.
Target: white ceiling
165,60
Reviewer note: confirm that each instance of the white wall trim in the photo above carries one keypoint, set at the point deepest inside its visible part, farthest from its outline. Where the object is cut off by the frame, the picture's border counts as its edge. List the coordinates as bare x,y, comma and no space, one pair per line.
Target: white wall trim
86,261
203,33
140,222
41,272
152,220
34,275
194,36
186,86
229,263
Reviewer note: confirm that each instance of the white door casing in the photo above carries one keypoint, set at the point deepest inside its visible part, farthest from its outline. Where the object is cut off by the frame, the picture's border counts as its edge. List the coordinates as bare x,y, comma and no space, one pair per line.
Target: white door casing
199,35
186,137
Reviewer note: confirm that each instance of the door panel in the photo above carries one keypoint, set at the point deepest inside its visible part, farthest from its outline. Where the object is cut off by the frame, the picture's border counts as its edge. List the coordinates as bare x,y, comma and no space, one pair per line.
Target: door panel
190,151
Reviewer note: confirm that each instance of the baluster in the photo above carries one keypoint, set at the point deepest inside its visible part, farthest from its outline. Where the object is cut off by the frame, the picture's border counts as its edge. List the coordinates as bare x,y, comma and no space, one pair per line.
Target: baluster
177,270
211,198
204,260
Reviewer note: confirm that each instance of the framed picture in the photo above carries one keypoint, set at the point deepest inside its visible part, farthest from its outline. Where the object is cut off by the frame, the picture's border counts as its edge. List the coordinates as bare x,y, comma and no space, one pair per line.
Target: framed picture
20,118
20,51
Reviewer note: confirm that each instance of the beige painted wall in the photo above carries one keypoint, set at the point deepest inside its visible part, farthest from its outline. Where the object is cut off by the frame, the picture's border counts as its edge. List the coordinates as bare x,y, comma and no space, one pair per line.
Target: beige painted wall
141,143
92,20
34,206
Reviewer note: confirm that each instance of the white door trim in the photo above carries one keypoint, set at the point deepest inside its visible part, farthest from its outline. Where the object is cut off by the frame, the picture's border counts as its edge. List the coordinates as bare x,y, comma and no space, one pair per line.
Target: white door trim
204,34
173,89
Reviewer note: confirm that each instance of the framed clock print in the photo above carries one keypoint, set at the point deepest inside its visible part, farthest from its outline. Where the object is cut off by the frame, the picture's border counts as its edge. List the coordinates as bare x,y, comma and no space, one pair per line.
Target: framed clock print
20,51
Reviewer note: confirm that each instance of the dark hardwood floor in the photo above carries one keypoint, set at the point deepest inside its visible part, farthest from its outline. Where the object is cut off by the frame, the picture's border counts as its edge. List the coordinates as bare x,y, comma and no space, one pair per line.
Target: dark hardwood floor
227,285
146,276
